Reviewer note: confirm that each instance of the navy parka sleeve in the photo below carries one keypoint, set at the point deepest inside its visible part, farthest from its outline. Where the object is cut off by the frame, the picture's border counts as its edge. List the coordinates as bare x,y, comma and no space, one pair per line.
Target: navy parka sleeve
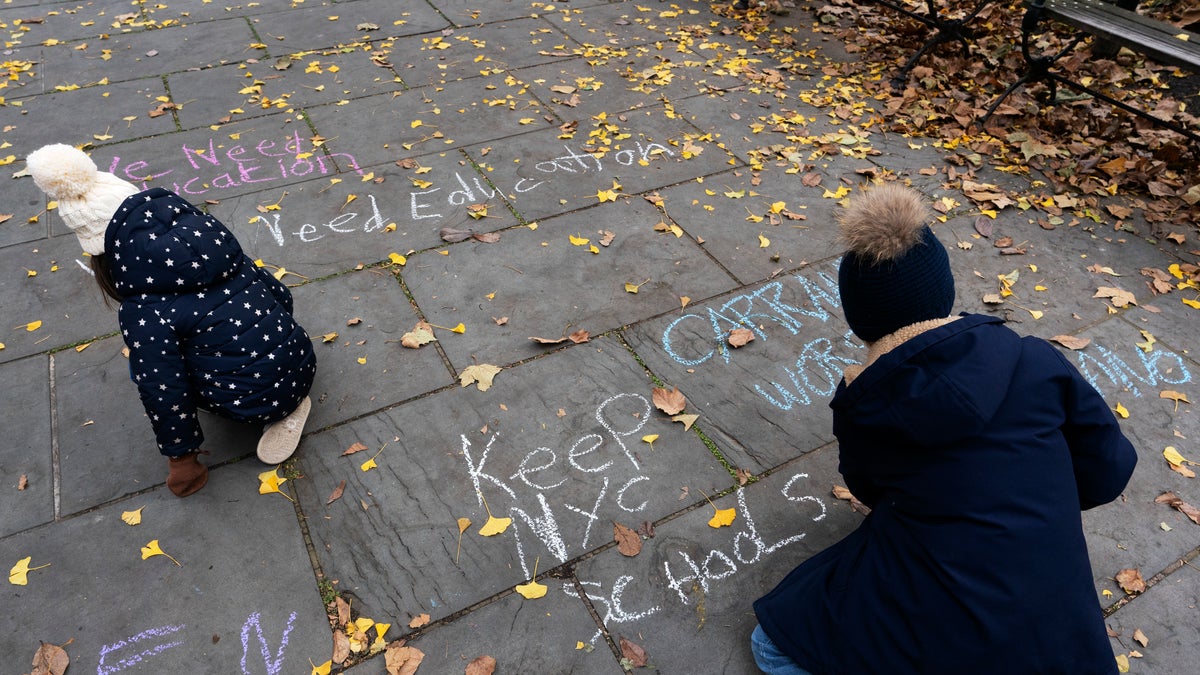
157,366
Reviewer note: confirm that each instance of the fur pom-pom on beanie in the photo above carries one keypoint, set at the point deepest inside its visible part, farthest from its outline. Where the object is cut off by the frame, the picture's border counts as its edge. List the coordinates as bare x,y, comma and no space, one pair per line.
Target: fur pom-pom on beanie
895,272
87,197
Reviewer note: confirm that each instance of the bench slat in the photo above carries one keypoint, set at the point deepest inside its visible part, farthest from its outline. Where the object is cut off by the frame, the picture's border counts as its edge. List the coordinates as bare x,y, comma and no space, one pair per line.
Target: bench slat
1155,39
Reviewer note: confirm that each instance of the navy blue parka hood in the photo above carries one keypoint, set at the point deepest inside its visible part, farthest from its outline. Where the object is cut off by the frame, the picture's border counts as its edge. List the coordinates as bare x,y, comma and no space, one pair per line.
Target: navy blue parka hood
976,450
206,328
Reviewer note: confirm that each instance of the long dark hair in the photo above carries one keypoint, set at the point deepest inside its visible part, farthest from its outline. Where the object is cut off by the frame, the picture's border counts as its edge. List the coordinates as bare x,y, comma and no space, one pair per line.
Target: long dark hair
104,280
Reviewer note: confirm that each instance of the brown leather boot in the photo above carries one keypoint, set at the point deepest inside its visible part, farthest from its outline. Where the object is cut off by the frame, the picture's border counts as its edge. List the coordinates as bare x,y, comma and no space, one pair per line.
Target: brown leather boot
186,474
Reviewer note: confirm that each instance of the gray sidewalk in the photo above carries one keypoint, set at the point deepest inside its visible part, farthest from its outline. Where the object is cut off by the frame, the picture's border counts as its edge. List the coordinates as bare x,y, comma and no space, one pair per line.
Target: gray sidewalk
329,136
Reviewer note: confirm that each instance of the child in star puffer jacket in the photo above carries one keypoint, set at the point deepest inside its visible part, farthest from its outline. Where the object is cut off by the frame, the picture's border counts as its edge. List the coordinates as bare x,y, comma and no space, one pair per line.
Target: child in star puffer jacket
206,328
976,449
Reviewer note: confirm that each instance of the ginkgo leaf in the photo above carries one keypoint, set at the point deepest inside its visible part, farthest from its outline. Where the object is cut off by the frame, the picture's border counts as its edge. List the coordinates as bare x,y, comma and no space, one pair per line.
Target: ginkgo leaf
1174,396
650,438
152,549
397,259
329,337
494,526
763,242
269,481
686,420
722,518
33,325
577,240
323,669
481,374
532,590
463,524
132,517
19,574
1122,411
370,463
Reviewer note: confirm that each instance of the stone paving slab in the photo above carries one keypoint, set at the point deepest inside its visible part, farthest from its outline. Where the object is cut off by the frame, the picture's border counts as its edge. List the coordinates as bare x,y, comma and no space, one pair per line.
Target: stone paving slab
131,55
322,227
23,201
686,597
105,445
243,157
66,21
232,599
561,477
552,290
549,627
766,402
544,175
28,453
369,314
67,302
477,51
730,211
196,11
1167,616
616,24
386,127
305,28
615,83
121,112
1127,533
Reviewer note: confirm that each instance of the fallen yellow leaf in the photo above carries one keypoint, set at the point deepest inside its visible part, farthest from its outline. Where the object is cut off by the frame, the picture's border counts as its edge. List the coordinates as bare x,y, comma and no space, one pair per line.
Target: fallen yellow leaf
481,374
494,526
532,590
132,517
722,517
19,574
1122,411
152,549
397,259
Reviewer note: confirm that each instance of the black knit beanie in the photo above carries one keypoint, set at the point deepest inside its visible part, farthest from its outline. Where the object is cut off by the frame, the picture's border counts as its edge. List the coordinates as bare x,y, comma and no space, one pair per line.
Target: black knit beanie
895,272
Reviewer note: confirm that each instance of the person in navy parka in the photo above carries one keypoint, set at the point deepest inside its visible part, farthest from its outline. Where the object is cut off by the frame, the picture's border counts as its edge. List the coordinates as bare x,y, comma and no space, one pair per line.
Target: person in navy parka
976,449
206,328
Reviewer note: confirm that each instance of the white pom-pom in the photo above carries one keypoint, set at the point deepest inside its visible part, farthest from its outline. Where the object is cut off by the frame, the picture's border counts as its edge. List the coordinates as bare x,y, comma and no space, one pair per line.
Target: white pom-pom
61,171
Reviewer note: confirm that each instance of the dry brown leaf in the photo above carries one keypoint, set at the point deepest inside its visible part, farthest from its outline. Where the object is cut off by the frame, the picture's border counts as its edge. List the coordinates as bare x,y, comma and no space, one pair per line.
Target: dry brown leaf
1118,297
343,611
607,238
1140,638
481,665
50,660
1170,499
341,647
1131,581
983,225
628,542
356,447
1071,341
579,337
744,476
686,420
418,621
855,505
481,374
337,493
634,653
501,321
402,660
547,341
23,482
738,337
672,401
421,334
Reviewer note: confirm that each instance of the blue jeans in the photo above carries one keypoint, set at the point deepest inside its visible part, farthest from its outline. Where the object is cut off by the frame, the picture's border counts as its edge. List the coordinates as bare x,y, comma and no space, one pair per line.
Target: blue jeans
768,657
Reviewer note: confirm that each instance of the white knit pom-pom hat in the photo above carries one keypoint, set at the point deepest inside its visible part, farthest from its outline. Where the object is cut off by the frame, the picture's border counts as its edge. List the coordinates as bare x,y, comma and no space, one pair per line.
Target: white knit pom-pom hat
87,197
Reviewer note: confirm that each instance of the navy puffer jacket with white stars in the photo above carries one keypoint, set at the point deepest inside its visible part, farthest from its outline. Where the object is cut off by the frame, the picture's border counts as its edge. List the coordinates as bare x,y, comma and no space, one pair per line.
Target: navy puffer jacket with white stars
206,328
